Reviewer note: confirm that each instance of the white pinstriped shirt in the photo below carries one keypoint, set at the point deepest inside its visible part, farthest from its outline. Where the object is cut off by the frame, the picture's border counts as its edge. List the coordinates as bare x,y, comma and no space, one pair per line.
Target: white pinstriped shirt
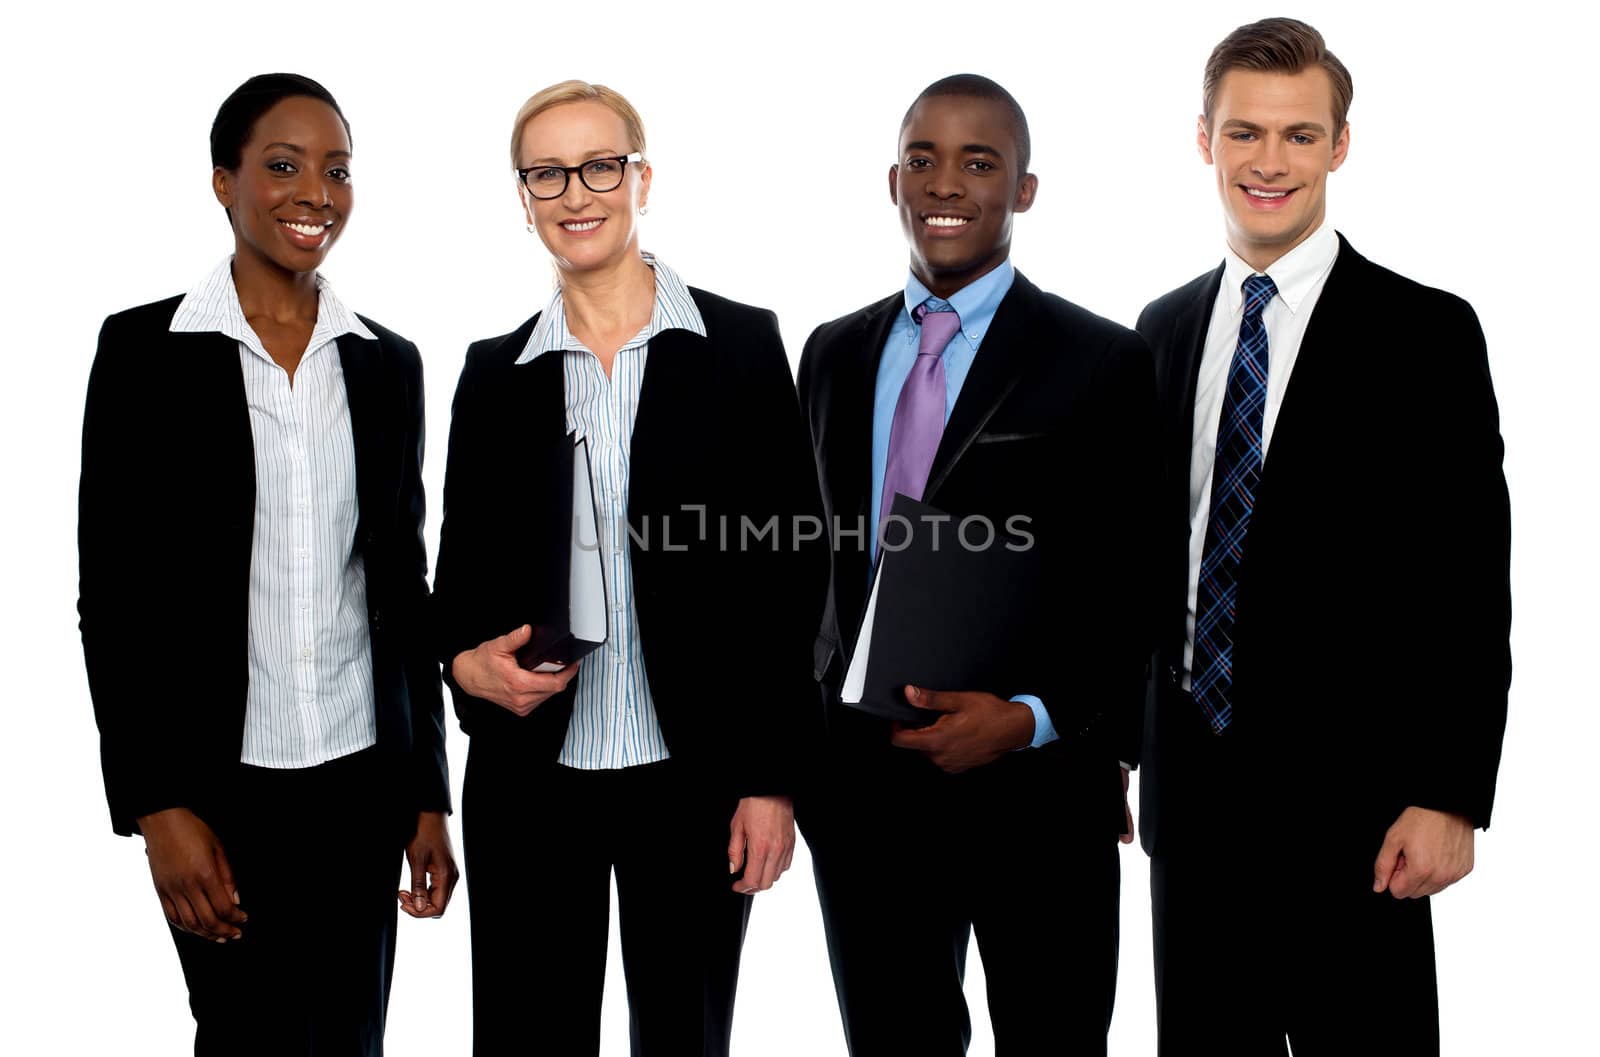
310,696
614,720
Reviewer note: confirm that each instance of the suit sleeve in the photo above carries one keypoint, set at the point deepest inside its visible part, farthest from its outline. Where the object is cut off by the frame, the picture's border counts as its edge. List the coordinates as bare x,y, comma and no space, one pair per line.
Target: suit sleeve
784,586
1106,699
430,769
145,769
1456,543
466,556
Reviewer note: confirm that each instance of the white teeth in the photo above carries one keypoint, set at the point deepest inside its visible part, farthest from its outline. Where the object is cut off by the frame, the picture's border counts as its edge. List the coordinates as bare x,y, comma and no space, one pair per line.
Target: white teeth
307,229
1252,192
587,225
945,222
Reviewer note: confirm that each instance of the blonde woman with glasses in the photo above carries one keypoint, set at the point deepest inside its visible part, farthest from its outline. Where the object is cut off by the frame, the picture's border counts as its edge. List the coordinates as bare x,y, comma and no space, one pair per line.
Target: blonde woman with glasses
667,757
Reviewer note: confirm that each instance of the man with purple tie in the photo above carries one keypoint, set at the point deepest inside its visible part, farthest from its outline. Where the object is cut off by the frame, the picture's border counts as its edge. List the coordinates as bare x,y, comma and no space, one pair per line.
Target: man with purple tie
978,393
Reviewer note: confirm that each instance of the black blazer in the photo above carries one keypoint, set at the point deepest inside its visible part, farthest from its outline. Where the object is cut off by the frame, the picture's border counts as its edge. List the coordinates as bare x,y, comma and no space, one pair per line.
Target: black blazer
1371,655
1054,424
724,629
166,508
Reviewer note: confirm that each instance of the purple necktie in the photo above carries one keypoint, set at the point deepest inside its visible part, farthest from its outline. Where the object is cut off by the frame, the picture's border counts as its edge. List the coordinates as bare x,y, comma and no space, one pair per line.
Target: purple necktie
919,414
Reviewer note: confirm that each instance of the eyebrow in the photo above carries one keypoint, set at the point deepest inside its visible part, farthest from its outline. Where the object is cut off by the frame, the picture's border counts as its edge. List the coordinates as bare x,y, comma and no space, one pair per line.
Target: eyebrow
301,150
970,148
1298,126
603,152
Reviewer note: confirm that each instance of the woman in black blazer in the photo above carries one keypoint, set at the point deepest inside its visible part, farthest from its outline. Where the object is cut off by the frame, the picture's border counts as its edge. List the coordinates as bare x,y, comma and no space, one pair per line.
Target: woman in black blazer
667,756
252,592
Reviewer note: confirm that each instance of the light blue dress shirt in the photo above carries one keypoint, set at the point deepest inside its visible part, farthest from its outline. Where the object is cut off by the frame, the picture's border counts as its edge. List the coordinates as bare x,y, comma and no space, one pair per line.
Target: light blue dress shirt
976,304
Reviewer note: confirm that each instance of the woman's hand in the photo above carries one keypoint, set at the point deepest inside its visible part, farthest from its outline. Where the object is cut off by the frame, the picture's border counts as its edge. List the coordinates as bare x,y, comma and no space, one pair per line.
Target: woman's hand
491,671
192,875
761,842
433,867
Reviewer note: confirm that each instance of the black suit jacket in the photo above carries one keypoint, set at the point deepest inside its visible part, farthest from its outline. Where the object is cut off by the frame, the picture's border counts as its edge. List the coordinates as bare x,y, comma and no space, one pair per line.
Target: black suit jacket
165,517
1371,656
724,614
1053,423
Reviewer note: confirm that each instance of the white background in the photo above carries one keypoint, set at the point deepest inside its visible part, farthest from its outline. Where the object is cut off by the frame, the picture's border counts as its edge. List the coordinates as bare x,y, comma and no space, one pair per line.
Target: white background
1472,167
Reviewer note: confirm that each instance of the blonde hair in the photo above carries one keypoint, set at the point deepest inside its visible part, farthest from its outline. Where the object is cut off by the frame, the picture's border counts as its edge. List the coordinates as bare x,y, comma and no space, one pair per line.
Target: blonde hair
578,92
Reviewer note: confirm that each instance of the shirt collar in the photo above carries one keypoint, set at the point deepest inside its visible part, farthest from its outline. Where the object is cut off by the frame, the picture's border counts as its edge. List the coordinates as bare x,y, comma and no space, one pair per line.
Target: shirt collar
976,303
213,305
674,310
1295,274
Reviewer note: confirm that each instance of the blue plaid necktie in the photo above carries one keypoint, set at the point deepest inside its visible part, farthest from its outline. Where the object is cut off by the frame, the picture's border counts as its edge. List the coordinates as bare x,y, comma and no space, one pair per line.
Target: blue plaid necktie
1234,476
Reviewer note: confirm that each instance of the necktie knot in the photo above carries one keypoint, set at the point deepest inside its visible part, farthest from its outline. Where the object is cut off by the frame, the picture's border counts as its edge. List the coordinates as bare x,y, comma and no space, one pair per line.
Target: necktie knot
1258,290
938,325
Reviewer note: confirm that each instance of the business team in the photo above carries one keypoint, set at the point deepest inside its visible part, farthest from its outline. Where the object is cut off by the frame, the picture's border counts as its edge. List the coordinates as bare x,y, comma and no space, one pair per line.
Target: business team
1331,693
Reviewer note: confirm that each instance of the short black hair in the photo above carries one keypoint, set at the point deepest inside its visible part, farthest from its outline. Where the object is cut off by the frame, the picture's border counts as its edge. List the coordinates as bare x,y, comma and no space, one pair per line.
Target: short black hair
976,86
237,116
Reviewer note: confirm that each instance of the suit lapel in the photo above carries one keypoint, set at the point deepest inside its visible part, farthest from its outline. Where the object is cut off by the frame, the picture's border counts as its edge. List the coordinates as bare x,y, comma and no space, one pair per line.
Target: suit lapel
1007,349
370,413
215,372
849,455
1183,373
673,405
1330,334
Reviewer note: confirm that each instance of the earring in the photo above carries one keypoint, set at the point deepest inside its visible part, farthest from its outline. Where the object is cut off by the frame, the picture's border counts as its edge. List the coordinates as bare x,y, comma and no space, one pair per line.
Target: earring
530,229
643,210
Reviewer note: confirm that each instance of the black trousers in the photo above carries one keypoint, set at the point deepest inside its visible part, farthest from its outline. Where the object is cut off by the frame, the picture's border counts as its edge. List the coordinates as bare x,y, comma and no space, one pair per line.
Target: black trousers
542,841
1266,931
911,862
315,854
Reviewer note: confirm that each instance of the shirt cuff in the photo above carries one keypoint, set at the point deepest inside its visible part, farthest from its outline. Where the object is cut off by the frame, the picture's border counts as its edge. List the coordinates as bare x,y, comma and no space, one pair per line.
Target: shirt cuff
1044,732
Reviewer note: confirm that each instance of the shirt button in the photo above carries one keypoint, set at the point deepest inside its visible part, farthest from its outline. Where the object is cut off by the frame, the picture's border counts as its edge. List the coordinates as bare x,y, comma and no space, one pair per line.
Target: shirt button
306,653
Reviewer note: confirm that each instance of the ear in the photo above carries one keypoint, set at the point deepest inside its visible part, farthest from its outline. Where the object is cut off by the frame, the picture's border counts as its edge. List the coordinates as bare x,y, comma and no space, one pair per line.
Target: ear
527,202
1341,147
1027,189
222,186
1202,140
644,186
894,184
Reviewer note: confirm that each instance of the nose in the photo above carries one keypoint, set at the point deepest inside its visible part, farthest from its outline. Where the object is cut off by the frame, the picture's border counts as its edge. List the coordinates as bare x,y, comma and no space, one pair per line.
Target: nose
945,182
577,192
312,189
1271,160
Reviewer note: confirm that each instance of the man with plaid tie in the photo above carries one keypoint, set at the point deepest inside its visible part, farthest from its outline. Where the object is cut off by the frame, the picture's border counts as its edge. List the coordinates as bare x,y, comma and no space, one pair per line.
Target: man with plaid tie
1329,698
975,391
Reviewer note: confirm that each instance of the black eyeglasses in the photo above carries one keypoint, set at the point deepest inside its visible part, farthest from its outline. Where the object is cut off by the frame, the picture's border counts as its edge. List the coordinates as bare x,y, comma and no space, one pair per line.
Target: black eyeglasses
598,175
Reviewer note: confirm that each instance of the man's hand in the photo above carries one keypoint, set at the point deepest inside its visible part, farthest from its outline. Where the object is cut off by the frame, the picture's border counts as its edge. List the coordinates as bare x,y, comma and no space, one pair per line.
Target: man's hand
1127,812
192,875
761,840
1424,852
433,868
491,671
976,728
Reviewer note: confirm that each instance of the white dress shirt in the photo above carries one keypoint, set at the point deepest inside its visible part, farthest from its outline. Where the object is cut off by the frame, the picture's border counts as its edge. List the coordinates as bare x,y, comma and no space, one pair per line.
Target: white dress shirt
310,696
1299,276
614,720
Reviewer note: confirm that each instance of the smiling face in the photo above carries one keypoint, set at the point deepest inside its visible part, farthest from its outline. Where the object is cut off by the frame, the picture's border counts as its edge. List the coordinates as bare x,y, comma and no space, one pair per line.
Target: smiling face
1273,144
584,230
290,197
956,185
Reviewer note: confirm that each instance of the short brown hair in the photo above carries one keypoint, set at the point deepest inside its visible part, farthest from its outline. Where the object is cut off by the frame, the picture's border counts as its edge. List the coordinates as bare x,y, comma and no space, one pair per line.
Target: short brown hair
578,92
1277,45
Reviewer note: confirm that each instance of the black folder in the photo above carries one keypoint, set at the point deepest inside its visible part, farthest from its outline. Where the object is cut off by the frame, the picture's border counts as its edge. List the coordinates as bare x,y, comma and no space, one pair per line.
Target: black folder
577,608
952,607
